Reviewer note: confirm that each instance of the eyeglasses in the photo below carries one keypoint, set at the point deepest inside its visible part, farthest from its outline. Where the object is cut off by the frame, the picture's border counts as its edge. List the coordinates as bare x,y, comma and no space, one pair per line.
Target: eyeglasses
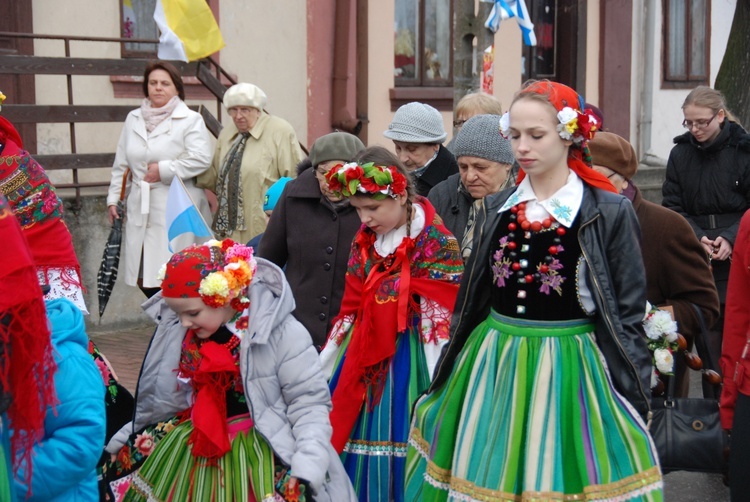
700,124
458,123
240,111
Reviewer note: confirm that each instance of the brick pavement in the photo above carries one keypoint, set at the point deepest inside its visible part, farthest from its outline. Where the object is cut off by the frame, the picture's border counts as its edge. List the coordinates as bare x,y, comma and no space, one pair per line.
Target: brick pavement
125,350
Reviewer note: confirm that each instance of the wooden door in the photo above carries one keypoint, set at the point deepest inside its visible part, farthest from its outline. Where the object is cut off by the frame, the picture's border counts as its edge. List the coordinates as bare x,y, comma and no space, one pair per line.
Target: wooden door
559,55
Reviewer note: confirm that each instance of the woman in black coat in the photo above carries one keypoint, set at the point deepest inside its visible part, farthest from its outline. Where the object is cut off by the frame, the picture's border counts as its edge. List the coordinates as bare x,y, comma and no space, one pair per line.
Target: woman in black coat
708,180
311,231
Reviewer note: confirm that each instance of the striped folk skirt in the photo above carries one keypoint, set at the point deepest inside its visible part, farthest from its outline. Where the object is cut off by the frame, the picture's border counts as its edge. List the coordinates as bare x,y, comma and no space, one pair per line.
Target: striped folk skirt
375,455
246,473
529,413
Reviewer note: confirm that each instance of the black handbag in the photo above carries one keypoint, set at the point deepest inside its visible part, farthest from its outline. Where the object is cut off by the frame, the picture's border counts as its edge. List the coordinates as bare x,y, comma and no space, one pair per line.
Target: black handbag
687,431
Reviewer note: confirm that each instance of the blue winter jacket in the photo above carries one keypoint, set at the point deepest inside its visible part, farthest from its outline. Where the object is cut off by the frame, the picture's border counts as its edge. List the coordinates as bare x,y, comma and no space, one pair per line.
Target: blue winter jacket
64,462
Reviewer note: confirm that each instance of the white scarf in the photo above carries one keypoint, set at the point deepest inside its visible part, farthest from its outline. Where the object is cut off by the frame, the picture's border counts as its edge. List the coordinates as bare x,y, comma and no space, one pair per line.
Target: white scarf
155,116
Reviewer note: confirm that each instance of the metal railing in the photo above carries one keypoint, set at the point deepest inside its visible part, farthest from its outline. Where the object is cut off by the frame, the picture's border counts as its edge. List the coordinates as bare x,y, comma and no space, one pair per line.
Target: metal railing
208,72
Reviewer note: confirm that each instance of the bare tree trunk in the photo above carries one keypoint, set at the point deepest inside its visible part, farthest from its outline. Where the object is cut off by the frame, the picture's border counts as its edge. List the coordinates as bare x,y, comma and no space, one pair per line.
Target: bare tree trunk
734,72
467,27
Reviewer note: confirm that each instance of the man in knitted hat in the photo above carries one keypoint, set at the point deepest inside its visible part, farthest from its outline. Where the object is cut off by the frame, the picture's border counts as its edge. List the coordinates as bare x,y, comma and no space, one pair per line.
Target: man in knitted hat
251,154
677,269
417,132
485,162
311,231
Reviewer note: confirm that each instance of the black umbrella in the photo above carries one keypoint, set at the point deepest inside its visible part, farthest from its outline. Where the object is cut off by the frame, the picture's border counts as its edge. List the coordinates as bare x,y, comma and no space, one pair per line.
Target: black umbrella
105,279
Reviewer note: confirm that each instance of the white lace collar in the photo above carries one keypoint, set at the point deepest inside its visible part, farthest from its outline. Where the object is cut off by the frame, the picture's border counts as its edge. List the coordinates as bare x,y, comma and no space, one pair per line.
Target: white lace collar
387,243
563,205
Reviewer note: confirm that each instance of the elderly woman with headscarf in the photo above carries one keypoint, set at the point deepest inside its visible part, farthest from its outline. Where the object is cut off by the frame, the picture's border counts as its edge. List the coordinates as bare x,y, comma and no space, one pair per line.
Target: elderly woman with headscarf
160,140
252,153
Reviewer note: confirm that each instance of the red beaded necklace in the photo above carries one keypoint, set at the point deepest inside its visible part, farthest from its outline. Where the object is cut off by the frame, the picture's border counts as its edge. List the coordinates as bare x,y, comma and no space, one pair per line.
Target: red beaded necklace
230,344
518,218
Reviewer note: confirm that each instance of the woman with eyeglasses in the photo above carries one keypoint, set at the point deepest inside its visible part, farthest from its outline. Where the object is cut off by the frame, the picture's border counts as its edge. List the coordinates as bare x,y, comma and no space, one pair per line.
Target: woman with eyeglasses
252,153
310,233
708,182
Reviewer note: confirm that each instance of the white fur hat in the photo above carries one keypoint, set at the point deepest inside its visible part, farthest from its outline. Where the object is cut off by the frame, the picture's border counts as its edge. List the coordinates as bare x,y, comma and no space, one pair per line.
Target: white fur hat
243,94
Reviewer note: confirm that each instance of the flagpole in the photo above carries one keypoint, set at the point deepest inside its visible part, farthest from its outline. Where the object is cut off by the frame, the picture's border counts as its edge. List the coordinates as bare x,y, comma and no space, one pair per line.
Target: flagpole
210,230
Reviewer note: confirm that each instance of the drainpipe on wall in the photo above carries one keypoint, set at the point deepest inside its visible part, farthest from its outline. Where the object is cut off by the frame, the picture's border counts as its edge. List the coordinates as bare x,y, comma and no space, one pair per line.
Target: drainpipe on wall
647,82
344,83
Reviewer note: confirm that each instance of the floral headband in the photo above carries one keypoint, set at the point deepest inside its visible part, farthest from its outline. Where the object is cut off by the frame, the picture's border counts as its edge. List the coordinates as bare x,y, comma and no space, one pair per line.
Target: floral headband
378,181
219,272
574,126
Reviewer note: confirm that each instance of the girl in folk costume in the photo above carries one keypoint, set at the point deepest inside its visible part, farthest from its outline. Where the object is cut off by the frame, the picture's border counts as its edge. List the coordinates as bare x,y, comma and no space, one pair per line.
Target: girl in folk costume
234,386
542,388
401,284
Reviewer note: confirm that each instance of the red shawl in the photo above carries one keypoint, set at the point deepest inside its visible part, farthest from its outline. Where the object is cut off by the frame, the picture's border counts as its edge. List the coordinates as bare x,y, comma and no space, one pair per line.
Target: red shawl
377,324
36,205
27,375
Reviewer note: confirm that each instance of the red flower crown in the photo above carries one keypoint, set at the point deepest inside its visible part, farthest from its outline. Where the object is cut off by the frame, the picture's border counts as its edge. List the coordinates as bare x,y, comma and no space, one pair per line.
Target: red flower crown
367,179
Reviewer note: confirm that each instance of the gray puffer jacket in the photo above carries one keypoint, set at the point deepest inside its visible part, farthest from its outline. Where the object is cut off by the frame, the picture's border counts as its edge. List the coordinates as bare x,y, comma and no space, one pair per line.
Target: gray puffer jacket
286,392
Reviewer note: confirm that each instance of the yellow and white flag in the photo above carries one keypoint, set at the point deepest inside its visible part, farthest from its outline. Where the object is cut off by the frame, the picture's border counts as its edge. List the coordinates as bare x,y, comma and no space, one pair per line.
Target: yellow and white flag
188,30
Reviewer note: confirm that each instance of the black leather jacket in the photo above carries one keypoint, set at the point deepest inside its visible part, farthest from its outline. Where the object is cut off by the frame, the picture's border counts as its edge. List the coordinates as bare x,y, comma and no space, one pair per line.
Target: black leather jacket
609,236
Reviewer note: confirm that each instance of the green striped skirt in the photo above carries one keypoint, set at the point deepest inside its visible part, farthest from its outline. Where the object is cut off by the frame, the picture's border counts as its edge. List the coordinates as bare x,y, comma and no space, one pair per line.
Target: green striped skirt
171,473
6,475
529,413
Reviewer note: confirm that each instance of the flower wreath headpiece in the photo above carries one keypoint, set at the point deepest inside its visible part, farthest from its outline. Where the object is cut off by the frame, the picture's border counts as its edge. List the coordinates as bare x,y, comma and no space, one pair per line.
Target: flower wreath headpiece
574,125
219,272
378,181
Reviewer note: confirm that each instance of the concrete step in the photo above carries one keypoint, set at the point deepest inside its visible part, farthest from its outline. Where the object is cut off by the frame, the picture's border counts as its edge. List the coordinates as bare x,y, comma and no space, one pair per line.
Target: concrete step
651,193
650,175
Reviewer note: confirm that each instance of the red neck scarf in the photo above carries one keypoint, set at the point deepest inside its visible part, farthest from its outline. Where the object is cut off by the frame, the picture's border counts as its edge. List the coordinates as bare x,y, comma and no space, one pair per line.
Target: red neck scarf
212,369
377,325
560,96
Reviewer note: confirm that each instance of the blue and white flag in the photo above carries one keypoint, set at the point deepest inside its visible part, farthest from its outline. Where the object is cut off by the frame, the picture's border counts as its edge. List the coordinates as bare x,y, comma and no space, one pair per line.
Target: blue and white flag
182,215
506,9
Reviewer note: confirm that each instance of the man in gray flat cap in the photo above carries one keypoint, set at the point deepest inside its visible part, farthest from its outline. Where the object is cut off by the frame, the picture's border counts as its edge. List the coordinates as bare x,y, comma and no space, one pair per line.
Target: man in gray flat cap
417,132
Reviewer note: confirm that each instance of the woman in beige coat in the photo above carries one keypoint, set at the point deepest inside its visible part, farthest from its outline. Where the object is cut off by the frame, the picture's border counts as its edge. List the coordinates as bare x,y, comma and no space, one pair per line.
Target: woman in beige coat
160,140
251,155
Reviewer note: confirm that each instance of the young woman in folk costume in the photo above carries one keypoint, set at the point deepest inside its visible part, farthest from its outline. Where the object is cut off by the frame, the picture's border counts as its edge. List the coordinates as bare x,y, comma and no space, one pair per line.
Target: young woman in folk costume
542,388
401,283
234,386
